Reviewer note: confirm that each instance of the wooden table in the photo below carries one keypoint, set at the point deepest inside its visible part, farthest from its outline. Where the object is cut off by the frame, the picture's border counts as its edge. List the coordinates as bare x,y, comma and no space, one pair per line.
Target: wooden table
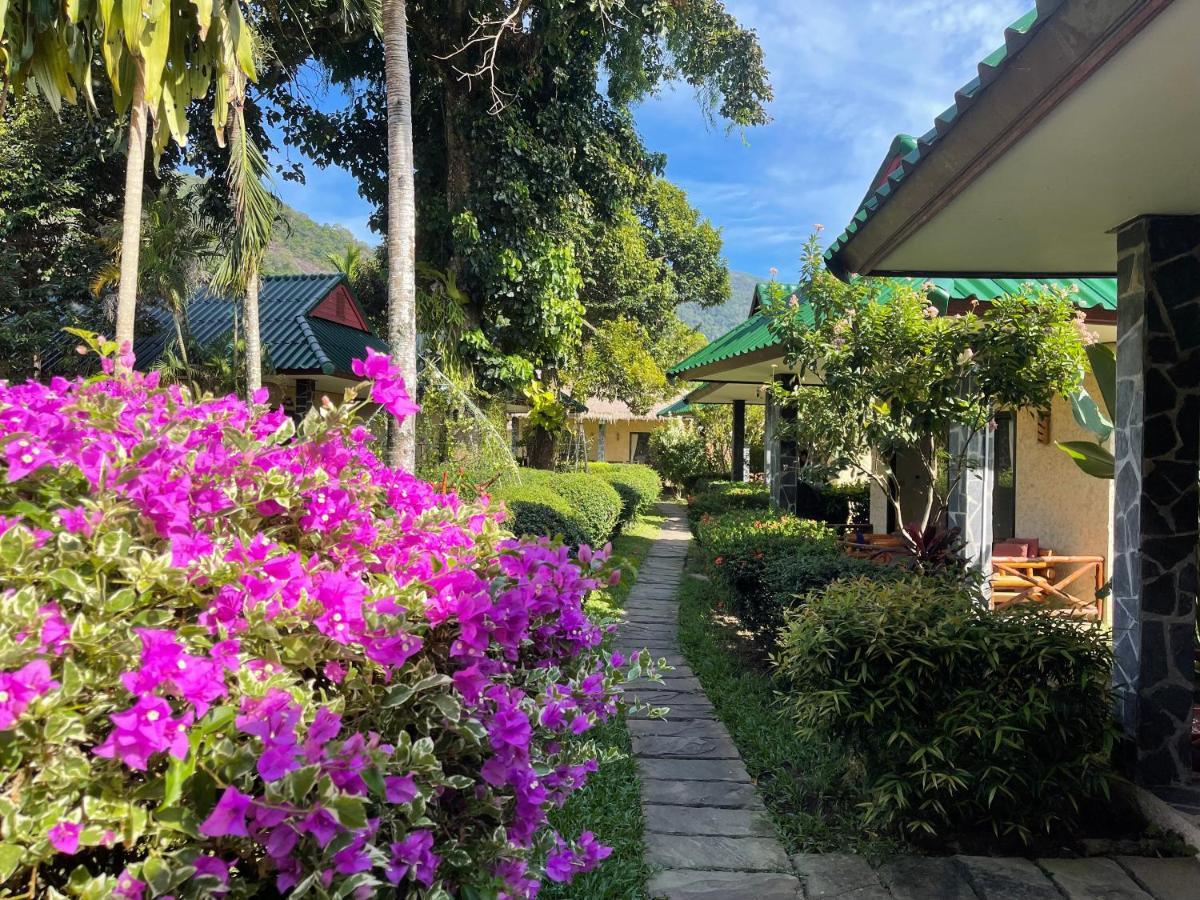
1019,579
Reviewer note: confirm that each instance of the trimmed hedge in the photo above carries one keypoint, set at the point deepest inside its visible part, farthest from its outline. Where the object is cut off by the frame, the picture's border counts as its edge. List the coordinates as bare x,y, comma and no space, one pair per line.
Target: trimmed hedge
534,509
593,503
639,486
723,496
964,719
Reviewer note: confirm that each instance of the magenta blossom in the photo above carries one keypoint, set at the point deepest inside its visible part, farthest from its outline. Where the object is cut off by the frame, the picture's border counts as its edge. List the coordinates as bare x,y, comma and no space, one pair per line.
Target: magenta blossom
228,816
128,887
413,857
20,688
144,729
388,390
64,837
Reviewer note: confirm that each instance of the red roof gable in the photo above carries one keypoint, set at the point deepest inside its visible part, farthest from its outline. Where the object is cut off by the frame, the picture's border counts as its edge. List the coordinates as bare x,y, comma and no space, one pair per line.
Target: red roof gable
338,306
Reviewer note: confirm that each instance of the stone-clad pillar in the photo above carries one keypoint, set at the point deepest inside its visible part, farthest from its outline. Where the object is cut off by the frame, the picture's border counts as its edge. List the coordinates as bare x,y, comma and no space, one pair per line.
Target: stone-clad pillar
600,448
784,488
1155,530
970,501
739,440
770,451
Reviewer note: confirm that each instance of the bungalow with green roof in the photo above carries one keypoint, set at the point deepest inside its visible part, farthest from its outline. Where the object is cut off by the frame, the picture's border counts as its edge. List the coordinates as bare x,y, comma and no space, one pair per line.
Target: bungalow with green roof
312,328
1040,501
1077,150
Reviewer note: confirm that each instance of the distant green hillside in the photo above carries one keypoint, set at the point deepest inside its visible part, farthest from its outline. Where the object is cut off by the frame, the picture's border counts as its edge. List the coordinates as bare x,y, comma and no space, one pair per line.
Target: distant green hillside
302,246
716,320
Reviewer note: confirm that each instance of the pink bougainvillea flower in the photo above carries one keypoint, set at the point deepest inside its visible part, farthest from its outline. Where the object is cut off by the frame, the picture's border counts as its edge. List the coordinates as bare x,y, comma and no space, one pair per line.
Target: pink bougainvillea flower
213,867
273,719
400,788
321,825
20,688
388,390
413,857
64,837
128,887
228,817
144,729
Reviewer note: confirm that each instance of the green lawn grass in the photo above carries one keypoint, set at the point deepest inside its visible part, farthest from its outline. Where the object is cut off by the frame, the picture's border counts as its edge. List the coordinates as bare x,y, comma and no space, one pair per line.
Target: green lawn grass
611,805
810,786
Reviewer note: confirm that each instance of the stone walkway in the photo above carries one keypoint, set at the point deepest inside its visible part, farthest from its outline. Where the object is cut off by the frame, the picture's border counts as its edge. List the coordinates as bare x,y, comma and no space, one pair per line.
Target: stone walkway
707,833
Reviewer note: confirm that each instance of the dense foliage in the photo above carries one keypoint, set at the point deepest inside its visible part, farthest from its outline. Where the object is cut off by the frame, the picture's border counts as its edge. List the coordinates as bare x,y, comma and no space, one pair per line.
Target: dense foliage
237,660
595,504
680,454
757,556
886,372
535,510
639,486
965,719
536,196
723,496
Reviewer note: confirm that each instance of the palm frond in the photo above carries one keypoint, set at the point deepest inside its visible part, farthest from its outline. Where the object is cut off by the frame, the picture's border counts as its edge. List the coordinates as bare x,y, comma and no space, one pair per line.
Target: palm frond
255,209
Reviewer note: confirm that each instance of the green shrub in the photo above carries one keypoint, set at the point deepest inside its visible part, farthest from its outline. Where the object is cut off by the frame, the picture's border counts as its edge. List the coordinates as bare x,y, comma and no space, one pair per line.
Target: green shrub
789,576
639,486
743,545
846,503
721,496
591,501
680,454
535,510
964,719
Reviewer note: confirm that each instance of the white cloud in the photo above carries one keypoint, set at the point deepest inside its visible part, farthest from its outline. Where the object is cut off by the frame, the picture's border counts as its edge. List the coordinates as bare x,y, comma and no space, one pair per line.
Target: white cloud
848,76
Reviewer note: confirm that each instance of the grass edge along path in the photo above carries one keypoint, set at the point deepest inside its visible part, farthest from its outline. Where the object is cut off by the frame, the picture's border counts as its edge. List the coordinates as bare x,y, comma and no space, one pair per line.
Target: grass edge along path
808,785
610,804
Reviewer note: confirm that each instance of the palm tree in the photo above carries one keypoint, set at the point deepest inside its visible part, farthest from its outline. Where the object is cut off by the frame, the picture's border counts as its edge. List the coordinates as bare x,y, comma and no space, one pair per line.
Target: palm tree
173,247
401,224
348,263
254,211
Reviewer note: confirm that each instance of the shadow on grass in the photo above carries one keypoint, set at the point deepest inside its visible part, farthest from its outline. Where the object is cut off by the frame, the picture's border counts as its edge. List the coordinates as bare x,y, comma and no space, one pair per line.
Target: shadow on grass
810,786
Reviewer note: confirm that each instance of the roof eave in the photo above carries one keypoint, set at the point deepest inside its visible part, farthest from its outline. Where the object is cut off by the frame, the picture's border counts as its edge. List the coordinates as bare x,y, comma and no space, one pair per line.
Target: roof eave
1071,40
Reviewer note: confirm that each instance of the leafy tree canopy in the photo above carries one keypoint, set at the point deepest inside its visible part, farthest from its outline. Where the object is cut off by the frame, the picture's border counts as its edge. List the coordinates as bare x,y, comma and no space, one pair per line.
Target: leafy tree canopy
535,192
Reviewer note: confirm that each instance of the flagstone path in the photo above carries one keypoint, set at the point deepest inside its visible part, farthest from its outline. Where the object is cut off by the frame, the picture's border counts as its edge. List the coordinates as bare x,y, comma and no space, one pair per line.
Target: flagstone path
707,833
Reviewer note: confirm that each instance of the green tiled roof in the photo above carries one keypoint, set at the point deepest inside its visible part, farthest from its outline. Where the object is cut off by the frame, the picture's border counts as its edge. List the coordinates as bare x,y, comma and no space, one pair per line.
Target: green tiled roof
907,153
678,408
294,340
755,333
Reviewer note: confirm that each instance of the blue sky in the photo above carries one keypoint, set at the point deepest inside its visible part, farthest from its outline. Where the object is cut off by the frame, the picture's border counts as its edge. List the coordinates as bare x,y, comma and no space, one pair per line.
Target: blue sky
848,75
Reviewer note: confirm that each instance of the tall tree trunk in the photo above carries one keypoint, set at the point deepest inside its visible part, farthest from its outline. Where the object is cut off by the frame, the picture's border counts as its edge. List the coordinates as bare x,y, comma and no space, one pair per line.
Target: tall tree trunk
131,221
253,340
177,318
401,225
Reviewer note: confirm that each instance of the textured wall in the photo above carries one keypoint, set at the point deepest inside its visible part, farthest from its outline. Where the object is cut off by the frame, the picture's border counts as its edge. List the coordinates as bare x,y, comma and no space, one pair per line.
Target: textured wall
616,437
1068,511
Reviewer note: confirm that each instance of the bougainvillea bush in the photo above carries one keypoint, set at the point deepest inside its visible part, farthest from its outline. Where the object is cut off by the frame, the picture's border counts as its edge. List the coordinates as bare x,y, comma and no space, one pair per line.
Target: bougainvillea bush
239,661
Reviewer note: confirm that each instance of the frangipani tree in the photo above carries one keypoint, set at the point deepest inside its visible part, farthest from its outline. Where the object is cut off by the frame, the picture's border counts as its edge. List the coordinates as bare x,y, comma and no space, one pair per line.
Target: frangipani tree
159,56
882,372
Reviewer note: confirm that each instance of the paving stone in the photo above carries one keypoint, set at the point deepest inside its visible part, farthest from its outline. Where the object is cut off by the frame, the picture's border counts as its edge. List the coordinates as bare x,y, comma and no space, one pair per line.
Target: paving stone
676,728
678,713
671,681
924,878
1166,879
842,875
684,746
723,794
1007,878
690,884
741,854
667,819
693,769
659,697
1092,879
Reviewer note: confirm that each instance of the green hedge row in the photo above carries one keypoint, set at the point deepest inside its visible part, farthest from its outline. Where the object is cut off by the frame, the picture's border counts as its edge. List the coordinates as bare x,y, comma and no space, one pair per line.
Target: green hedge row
582,507
534,509
965,720
639,486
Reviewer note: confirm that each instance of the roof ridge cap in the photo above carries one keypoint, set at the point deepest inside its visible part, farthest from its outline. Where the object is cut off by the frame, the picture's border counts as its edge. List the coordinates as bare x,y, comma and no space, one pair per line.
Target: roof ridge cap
314,344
